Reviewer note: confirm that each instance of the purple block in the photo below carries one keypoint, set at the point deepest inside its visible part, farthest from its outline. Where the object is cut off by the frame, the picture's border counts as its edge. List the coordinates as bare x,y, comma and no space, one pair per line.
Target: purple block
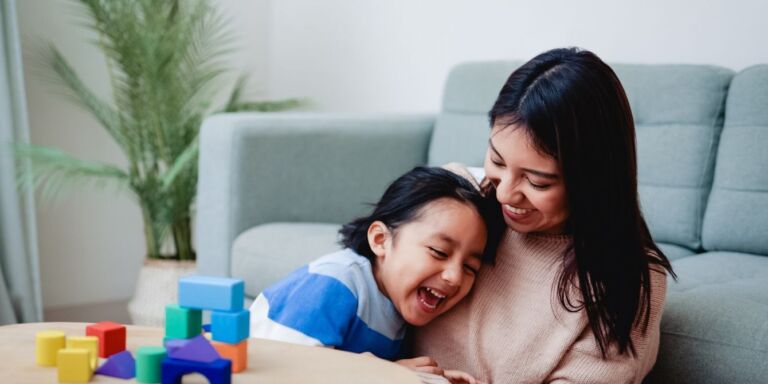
172,345
120,365
196,349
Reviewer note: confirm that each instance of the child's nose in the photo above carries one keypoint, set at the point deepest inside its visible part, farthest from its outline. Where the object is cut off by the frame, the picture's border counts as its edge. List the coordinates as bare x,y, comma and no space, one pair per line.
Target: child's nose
452,275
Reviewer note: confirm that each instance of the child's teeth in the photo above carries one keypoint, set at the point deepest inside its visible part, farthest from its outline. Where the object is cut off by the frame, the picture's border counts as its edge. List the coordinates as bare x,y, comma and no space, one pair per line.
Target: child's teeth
432,291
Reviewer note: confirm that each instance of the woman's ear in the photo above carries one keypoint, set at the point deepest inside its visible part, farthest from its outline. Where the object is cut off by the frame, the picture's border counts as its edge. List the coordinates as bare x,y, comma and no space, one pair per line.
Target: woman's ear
378,235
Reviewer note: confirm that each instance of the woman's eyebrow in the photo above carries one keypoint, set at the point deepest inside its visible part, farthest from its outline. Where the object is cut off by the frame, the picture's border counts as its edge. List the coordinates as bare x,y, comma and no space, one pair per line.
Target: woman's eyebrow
490,144
543,174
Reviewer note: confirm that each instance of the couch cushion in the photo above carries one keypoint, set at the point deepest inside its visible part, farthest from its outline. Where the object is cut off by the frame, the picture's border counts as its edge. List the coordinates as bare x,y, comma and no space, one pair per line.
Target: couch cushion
737,213
678,112
265,254
715,324
674,252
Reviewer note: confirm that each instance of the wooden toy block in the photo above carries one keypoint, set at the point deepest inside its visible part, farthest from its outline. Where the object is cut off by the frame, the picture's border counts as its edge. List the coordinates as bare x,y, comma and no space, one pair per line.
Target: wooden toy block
237,353
47,346
121,365
90,343
149,361
213,293
111,337
230,327
74,365
217,372
182,323
197,349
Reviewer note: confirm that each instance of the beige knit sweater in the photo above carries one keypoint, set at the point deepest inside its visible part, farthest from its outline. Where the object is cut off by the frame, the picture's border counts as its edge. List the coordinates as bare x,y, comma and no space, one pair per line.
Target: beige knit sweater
512,328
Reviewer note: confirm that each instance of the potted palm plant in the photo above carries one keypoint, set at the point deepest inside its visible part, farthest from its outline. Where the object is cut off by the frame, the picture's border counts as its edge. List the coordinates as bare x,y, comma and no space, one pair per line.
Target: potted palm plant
164,61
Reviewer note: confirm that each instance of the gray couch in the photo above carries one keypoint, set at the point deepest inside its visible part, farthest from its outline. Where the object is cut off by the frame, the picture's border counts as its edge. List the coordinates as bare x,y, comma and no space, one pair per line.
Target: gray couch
274,188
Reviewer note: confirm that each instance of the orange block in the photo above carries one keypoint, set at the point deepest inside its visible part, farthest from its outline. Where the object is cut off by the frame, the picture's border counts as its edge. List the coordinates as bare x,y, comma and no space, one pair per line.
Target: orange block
238,353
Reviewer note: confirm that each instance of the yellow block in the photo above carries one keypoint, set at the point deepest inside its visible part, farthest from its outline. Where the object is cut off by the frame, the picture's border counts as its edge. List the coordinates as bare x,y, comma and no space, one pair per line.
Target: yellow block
47,345
75,365
90,343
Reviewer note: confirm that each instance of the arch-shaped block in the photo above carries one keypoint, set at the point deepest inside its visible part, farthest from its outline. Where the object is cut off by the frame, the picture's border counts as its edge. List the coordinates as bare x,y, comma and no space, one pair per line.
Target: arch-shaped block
217,372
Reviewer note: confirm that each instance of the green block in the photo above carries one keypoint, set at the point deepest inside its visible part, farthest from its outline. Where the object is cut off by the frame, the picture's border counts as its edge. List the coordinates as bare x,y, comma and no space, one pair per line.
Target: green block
182,323
149,361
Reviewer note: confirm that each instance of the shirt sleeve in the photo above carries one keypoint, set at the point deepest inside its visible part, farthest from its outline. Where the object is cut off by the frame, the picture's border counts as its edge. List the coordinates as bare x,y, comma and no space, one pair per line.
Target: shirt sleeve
305,308
584,363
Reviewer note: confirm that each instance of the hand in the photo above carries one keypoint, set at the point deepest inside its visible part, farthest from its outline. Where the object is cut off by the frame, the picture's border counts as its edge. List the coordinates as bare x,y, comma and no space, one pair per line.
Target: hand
460,377
422,364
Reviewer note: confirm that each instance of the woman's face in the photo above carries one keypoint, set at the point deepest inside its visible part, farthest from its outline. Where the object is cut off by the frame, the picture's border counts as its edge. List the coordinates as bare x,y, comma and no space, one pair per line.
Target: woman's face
529,185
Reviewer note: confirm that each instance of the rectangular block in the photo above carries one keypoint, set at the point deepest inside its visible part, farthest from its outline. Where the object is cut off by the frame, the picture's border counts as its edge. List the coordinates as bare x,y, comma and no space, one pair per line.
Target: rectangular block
230,327
211,293
182,323
237,353
89,343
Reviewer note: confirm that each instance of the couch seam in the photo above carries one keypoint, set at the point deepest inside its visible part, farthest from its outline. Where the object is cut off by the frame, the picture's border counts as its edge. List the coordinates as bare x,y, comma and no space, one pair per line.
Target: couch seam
712,341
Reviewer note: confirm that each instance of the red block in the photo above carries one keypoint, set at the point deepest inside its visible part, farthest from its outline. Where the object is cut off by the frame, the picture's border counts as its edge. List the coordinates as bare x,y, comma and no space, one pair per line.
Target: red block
111,337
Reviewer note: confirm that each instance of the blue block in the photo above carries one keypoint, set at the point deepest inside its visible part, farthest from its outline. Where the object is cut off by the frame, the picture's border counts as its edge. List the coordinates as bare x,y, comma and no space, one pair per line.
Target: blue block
230,327
217,372
211,293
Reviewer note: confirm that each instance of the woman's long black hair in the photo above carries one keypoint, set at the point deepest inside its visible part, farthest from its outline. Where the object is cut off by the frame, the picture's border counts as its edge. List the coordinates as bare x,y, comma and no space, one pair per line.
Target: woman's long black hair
574,108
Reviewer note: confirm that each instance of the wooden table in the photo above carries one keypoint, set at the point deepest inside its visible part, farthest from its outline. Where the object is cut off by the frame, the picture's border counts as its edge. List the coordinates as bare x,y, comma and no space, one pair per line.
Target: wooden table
268,361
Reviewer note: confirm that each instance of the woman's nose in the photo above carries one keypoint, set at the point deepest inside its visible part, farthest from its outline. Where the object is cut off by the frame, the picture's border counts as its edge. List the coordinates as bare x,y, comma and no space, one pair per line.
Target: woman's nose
507,191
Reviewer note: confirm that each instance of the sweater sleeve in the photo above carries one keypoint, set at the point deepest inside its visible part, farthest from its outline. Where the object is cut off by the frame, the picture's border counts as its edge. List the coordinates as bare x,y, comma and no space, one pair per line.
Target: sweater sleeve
583,363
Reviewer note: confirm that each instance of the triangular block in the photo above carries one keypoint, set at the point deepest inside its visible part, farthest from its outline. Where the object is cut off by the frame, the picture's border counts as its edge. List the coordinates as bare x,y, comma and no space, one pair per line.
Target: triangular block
174,344
120,365
197,349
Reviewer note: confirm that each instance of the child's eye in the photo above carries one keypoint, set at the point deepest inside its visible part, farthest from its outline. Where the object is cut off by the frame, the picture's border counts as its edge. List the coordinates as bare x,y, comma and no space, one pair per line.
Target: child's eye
470,269
437,253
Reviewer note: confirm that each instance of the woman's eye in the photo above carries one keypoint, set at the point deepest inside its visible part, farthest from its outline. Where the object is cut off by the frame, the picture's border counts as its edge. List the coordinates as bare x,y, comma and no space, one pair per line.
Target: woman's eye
497,162
539,187
437,253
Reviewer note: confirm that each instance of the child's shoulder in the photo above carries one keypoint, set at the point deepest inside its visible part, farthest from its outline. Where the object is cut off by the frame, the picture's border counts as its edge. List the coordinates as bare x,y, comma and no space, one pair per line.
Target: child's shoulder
346,266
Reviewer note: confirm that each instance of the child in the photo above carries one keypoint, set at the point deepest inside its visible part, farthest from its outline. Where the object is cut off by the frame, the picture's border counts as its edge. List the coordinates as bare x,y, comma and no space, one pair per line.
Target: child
409,261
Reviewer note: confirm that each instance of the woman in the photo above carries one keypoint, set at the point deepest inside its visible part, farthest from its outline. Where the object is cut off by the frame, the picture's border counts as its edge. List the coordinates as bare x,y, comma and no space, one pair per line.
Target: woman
578,288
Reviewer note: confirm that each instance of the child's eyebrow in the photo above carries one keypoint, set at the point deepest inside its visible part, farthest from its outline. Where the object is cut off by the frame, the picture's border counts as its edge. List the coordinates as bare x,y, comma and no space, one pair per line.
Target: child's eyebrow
453,242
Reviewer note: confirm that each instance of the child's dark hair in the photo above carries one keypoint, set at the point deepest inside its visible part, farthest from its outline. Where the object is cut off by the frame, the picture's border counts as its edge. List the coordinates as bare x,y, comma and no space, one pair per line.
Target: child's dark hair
405,198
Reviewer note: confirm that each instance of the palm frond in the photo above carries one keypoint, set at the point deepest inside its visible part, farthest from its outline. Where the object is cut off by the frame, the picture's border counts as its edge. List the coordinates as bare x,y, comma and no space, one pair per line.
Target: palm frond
52,170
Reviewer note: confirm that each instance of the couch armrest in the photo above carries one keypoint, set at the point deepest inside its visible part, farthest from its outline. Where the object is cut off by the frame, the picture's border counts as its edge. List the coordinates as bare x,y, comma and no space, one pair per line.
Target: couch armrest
257,168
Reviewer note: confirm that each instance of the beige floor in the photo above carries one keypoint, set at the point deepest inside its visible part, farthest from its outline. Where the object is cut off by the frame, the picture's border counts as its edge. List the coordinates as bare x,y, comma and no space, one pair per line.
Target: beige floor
116,311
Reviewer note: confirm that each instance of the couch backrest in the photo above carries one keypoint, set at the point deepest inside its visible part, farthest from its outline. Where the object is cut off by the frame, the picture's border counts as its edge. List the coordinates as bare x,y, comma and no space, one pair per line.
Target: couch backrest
461,129
678,111
736,218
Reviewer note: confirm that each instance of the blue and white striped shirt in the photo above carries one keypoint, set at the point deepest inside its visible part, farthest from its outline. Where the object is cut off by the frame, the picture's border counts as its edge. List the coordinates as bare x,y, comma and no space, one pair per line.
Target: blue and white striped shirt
335,302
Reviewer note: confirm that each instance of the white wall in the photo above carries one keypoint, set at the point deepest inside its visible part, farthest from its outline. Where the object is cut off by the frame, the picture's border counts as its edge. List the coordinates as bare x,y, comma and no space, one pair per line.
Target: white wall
356,56
91,240
394,55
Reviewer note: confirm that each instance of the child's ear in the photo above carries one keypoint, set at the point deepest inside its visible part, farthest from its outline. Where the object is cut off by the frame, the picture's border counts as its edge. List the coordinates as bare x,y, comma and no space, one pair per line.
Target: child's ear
378,235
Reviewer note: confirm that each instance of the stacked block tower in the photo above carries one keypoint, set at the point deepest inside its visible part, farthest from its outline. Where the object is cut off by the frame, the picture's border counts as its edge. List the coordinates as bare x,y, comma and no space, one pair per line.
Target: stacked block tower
190,352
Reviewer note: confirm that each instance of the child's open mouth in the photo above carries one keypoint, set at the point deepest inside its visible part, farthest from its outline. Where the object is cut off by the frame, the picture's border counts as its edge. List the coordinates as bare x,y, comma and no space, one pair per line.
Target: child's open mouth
430,298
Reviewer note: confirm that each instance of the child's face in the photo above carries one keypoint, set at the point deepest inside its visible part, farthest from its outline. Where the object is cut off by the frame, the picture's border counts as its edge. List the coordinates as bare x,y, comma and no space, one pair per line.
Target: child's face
431,263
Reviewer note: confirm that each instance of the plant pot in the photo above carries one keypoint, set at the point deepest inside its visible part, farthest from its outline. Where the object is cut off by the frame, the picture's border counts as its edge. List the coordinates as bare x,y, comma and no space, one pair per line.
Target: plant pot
157,286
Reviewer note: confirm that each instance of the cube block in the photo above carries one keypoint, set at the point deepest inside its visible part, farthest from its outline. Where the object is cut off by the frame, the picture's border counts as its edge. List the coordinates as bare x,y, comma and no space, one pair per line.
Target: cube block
237,353
182,323
111,337
89,343
47,346
212,293
230,327
74,365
